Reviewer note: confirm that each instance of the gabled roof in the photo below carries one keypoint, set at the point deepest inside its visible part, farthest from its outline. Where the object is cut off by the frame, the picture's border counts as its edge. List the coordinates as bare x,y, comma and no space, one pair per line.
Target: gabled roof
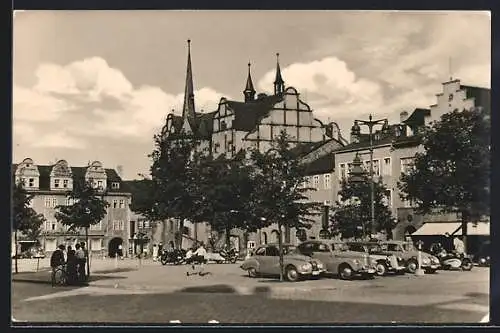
482,96
78,174
248,115
417,118
324,164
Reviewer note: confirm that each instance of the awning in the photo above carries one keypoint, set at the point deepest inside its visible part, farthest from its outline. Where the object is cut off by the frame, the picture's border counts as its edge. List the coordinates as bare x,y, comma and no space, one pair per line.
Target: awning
476,229
434,229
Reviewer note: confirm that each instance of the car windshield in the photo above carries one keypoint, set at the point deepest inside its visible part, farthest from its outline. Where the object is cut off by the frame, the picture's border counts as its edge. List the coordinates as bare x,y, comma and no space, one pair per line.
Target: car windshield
409,247
373,248
289,249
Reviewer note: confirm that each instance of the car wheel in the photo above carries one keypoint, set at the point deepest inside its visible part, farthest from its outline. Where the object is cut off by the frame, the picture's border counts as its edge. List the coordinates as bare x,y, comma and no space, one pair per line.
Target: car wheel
292,274
412,266
381,269
252,272
466,265
345,272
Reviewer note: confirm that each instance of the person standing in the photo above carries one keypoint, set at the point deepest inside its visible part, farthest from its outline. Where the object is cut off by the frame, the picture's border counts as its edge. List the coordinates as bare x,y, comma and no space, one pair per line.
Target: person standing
459,246
71,265
155,252
57,260
81,261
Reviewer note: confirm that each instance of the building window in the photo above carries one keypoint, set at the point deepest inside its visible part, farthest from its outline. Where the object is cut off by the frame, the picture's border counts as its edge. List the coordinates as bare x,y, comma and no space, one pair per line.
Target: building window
115,203
327,180
68,201
53,225
97,226
31,182
99,184
376,167
95,244
115,186
146,224
118,225
316,181
386,170
121,225
122,203
57,182
342,173
388,198
54,202
407,164
50,202
65,183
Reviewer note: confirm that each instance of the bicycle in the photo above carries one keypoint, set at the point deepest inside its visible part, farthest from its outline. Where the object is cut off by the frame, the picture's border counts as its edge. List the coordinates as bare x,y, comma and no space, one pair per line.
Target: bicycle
59,276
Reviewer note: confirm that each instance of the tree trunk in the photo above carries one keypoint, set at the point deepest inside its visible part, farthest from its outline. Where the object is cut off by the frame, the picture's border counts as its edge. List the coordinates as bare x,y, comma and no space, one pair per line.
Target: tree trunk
180,235
87,252
280,247
465,220
228,236
15,253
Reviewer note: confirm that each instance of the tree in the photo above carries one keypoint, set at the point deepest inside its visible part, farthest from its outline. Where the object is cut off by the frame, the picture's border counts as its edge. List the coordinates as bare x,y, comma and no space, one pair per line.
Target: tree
452,174
352,215
278,196
225,188
141,191
26,220
88,208
175,177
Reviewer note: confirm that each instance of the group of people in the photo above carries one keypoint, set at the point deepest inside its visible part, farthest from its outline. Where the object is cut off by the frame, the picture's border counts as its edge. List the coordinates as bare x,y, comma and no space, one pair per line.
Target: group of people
196,258
73,261
458,246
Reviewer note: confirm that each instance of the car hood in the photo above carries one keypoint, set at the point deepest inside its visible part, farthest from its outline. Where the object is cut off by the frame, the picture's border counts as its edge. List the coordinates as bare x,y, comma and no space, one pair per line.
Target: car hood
350,254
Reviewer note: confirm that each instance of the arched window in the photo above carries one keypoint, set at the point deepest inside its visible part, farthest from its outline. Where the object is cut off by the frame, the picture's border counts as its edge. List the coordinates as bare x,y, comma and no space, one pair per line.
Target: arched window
274,236
264,238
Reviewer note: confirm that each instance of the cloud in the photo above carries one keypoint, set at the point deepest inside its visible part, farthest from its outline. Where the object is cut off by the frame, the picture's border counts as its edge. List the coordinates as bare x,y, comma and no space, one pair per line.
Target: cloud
89,98
60,139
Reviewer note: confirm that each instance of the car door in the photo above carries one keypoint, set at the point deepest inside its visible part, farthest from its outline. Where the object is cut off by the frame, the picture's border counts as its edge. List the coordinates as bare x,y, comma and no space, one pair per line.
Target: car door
270,262
258,257
323,253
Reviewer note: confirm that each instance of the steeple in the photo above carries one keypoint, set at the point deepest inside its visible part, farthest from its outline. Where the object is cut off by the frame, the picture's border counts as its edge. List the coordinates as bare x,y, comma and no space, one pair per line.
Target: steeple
188,107
279,84
249,91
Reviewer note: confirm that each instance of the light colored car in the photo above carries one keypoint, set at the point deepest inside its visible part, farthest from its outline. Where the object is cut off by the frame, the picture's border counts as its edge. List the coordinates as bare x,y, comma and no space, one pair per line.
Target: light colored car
386,262
338,259
409,254
265,262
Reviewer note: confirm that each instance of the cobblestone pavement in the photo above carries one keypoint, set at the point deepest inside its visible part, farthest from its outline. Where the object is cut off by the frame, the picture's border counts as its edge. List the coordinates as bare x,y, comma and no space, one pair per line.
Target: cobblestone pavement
447,297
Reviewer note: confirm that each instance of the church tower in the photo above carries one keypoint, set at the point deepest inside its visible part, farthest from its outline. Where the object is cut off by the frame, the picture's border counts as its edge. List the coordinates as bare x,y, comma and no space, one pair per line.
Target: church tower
279,84
188,110
249,91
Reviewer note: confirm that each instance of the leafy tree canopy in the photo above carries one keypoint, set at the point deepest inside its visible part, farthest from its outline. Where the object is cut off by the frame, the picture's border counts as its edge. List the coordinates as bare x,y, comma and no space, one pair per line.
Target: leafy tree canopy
25,219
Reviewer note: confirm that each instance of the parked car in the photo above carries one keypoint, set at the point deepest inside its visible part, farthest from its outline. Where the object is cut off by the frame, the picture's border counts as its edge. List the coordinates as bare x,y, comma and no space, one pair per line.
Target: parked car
265,262
409,254
386,262
338,259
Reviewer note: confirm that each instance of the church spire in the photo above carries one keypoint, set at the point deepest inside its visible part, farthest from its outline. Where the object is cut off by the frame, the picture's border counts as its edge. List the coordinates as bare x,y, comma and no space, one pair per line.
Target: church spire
279,84
188,107
249,91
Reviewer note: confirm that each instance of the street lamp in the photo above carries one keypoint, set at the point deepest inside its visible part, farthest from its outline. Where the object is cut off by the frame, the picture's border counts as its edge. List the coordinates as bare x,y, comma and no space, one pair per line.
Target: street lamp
371,123
357,175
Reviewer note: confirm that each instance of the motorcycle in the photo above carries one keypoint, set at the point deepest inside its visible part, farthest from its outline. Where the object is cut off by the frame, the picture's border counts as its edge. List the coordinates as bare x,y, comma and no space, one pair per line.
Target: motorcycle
230,256
452,260
175,257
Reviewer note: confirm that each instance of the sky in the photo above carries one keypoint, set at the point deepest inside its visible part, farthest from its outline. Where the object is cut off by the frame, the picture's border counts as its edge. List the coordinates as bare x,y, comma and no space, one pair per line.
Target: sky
97,85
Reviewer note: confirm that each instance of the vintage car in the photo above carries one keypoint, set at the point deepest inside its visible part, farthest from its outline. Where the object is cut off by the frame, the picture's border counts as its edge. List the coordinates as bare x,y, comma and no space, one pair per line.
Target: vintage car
409,254
386,262
265,262
338,259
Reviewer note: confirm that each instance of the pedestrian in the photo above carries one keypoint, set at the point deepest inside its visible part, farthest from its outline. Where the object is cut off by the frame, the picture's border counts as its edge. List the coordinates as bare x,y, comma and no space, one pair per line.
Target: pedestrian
71,265
57,259
198,259
459,246
120,251
160,247
155,252
81,261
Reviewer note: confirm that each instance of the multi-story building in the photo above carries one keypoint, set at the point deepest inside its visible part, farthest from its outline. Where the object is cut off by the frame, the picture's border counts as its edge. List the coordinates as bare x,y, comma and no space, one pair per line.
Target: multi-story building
254,122
395,146
50,186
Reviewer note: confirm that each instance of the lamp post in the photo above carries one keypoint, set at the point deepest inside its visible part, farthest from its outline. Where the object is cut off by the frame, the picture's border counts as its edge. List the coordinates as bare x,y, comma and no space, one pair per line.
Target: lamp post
356,175
371,123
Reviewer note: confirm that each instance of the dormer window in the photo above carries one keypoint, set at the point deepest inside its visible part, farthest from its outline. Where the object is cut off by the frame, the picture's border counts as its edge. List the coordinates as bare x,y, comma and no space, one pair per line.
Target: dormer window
31,182
57,183
99,184
115,185
223,125
65,183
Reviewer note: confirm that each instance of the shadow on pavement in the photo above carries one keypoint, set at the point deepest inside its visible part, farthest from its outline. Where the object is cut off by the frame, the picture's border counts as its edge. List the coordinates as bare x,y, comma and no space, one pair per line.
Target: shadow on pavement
116,270
46,279
218,288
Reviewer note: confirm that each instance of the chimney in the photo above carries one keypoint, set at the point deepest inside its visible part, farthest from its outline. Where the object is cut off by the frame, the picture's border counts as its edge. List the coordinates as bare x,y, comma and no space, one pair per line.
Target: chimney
119,170
403,116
